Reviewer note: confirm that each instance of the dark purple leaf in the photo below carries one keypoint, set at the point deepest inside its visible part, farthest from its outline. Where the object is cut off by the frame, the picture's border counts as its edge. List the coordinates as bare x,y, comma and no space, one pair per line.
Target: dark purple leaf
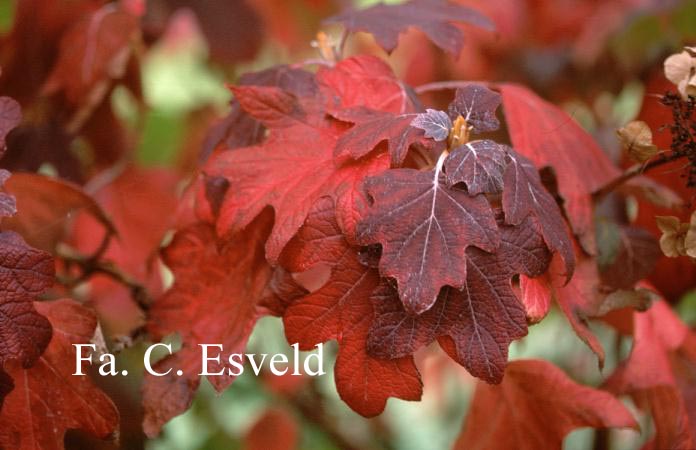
424,228
477,104
478,164
434,17
524,195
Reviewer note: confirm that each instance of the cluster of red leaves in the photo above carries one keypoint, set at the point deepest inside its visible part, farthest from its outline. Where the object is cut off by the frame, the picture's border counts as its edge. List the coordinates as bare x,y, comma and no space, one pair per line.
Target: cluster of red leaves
420,231
342,159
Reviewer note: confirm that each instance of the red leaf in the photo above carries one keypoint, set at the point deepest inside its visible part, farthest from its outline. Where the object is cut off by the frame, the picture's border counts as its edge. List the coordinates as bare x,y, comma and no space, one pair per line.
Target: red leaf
536,296
239,128
424,228
93,52
365,81
276,429
295,166
46,206
135,247
10,117
341,309
535,407
658,374
25,273
433,17
273,106
482,319
48,399
580,299
373,127
213,300
290,173
549,137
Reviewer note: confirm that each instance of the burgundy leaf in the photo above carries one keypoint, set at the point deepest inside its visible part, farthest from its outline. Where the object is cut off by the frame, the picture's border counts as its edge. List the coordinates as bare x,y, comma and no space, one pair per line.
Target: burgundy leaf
424,228
482,319
478,164
25,273
48,399
434,17
524,195
626,254
477,104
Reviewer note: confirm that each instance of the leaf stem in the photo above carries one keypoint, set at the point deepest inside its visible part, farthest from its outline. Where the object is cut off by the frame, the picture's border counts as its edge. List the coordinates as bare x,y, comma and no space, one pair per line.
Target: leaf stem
442,85
91,266
633,171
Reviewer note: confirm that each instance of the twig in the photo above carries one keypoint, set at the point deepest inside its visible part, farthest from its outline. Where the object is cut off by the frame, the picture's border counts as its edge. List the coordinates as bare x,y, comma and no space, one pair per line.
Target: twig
442,85
633,171
91,266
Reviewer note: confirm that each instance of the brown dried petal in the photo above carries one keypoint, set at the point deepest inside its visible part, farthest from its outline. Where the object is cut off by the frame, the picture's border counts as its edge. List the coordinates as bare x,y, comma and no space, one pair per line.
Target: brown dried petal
636,138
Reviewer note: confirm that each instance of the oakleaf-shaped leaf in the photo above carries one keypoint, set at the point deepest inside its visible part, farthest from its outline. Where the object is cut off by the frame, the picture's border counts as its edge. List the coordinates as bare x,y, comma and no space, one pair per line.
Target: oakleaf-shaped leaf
25,273
296,165
239,128
477,105
290,172
433,17
478,164
482,318
365,81
436,124
548,136
217,287
516,413
424,228
48,399
373,127
341,309
524,195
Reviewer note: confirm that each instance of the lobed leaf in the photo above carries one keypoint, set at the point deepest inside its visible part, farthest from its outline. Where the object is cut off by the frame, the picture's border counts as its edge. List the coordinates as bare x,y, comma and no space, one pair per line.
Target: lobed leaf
48,399
341,309
424,228
481,319
434,17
